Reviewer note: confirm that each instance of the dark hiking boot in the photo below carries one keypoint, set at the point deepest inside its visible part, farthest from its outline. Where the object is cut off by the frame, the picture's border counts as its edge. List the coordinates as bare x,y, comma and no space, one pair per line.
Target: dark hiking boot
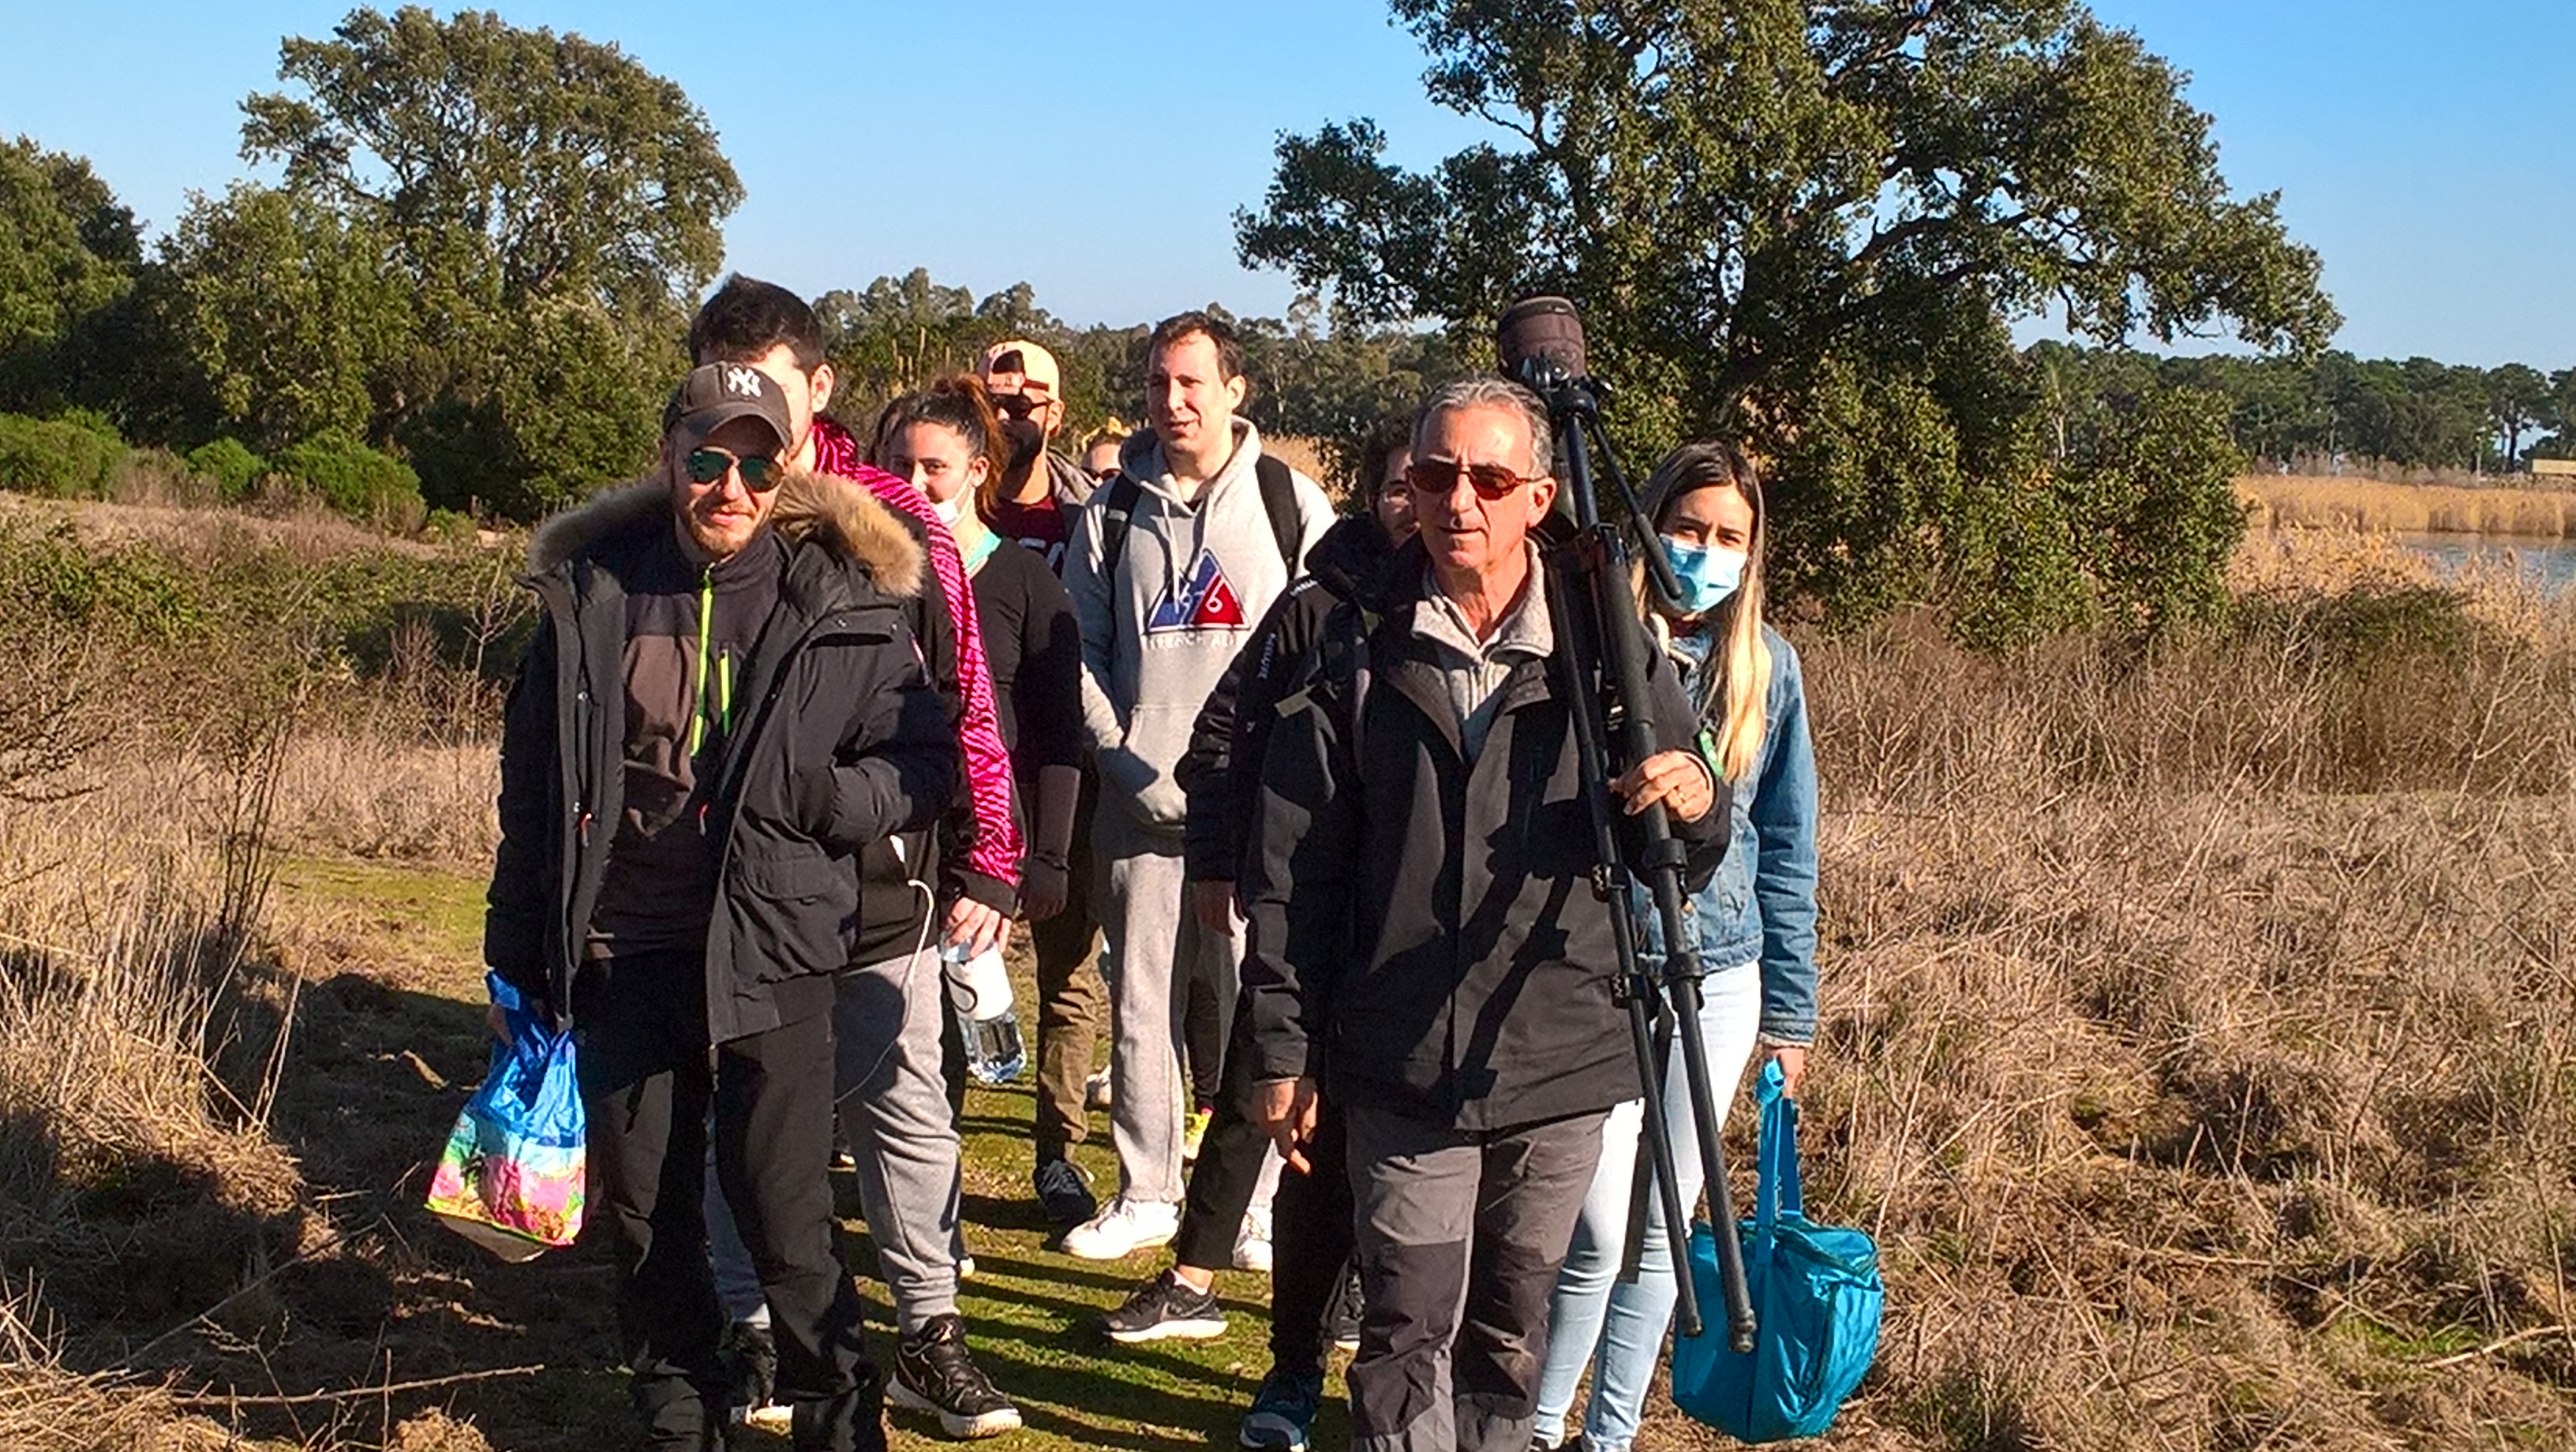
933,1373
1063,1194
1283,1411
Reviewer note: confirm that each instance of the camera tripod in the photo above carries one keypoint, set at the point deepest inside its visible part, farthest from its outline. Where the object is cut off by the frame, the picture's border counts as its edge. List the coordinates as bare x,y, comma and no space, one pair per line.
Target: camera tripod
1587,581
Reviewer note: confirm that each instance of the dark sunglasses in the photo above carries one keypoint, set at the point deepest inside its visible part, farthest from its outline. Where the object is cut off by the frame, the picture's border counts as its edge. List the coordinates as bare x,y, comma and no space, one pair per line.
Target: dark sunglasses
1016,405
1439,476
759,475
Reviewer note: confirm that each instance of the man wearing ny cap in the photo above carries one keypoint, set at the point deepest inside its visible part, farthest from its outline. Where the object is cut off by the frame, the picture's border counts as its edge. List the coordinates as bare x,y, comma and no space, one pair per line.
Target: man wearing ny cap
1040,488
721,707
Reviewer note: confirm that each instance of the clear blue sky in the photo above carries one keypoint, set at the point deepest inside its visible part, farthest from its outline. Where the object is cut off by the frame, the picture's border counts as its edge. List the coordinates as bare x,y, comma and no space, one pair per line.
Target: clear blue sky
1098,151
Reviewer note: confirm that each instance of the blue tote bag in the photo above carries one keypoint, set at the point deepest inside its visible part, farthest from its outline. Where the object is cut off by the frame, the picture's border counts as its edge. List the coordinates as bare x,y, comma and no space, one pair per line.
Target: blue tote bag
1816,1299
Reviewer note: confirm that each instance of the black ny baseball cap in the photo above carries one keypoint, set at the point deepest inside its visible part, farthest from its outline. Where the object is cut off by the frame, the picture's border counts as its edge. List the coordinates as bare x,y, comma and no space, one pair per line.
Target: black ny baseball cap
715,394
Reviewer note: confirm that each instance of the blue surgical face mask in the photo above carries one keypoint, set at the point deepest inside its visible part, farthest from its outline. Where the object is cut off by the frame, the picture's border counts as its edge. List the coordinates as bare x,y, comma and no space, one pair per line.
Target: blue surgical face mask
1707,575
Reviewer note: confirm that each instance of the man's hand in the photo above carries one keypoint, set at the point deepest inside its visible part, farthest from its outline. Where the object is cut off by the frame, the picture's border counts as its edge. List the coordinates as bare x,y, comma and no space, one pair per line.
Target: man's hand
973,926
1214,904
1285,1110
1043,889
1792,1059
1678,779
498,1023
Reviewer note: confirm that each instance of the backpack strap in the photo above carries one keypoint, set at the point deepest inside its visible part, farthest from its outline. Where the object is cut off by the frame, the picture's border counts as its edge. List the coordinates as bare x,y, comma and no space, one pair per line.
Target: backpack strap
1336,672
1279,501
1115,511
1345,666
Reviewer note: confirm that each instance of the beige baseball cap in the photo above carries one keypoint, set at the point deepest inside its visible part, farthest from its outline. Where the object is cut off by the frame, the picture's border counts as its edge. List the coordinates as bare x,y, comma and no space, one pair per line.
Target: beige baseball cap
1035,365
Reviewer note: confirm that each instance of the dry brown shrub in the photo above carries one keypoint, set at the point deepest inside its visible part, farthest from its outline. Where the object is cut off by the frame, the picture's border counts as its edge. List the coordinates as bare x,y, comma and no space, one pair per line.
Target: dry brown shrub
47,1408
377,796
437,1432
2198,1030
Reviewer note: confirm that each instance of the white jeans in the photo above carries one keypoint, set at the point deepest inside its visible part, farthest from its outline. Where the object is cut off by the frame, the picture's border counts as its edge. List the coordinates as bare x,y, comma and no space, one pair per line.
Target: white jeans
1592,1308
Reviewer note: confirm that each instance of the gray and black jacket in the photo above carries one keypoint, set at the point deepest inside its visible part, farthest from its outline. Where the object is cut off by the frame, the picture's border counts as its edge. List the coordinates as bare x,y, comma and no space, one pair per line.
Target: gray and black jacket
1425,937
840,742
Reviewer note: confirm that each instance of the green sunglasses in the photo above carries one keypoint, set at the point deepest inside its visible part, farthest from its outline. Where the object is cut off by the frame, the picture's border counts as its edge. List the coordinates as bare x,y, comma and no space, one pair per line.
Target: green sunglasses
759,475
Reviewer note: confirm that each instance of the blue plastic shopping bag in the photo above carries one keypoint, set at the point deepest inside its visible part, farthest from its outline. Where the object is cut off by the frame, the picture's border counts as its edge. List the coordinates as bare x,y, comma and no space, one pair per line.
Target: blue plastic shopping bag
1816,1299
510,1179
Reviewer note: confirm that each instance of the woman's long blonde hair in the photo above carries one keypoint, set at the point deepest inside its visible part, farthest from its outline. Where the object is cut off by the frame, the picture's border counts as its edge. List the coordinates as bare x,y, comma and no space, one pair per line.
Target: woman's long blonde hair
1734,696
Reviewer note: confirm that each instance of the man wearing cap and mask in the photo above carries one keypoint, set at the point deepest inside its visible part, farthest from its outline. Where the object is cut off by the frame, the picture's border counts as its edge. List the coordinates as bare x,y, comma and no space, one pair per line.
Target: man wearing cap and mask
1035,504
721,707
1040,488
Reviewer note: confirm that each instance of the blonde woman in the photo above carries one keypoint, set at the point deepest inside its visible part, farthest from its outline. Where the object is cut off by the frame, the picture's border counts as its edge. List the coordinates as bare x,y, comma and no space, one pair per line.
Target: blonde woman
1755,922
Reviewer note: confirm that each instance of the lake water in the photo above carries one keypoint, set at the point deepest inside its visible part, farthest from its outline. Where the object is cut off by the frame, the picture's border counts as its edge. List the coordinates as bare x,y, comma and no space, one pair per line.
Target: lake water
2550,561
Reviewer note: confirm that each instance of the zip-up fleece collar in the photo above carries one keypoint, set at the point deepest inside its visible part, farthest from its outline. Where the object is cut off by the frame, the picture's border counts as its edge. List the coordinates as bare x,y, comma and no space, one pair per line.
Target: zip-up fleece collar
837,513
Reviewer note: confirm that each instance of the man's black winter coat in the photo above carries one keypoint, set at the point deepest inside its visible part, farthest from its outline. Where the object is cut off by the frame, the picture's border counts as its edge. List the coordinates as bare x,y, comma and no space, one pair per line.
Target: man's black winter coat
1425,938
1221,771
841,742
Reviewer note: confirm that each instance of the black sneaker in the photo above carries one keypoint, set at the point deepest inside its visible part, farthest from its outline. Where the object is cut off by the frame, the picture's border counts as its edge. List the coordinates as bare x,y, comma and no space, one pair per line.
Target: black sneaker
932,1373
1342,1312
1064,1194
1164,1307
1283,1411
751,1371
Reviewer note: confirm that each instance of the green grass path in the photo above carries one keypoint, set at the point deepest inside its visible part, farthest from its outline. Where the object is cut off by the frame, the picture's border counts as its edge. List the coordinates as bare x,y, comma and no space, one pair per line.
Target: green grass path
1030,1310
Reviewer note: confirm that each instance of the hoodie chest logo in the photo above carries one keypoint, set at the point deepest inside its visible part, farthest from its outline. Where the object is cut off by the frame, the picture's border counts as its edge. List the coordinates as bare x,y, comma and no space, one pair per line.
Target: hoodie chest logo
1203,601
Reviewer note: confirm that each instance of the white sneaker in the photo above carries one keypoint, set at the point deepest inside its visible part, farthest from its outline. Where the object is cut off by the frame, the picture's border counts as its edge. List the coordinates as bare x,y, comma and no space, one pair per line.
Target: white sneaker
1123,1229
1252,1242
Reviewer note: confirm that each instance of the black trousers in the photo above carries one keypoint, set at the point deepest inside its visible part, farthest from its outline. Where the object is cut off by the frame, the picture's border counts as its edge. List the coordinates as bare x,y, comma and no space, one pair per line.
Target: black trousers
1310,1233
650,1083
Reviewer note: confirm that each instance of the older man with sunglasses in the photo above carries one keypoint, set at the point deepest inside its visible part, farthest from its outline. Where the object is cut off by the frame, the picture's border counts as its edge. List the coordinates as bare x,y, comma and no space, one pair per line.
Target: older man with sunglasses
721,708
1426,941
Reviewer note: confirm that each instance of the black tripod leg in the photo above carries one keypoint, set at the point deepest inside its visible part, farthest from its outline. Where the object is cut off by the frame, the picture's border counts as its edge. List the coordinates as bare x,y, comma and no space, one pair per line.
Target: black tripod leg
1685,994
1656,1135
1641,1179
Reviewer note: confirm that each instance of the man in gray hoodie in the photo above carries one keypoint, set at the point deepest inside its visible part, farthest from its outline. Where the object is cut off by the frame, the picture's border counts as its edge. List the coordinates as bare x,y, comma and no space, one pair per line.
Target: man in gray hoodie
1169,572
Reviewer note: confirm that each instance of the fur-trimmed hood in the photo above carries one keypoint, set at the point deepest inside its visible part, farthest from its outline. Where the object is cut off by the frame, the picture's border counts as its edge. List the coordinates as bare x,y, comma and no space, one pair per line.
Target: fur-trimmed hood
839,513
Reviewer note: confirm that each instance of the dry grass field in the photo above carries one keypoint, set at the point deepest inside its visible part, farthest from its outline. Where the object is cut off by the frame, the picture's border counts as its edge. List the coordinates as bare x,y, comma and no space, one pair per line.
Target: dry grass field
2199,1025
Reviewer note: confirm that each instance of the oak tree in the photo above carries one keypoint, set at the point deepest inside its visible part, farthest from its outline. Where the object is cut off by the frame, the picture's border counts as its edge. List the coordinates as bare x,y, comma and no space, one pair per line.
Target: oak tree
1805,220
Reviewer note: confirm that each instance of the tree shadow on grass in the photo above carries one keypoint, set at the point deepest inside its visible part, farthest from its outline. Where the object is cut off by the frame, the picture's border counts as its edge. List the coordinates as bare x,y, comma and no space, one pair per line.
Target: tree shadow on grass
375,1077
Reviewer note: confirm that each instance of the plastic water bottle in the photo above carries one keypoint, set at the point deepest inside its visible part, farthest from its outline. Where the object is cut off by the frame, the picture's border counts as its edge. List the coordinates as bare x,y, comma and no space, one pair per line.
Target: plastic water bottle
979,993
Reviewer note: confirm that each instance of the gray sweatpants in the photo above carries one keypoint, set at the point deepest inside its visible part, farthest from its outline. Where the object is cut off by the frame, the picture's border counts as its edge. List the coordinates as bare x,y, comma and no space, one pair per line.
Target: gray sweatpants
1155,945
894,1104
1460,1236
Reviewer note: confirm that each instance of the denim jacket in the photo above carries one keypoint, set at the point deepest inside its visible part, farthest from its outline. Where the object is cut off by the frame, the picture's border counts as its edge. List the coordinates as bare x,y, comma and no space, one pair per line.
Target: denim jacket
1761,904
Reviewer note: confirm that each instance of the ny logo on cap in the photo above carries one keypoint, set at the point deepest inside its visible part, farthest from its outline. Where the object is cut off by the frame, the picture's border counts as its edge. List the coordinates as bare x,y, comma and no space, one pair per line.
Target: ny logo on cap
742,381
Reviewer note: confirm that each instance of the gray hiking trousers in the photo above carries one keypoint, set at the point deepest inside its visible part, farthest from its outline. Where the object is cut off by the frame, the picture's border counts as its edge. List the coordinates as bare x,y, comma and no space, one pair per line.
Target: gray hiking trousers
1460,1237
